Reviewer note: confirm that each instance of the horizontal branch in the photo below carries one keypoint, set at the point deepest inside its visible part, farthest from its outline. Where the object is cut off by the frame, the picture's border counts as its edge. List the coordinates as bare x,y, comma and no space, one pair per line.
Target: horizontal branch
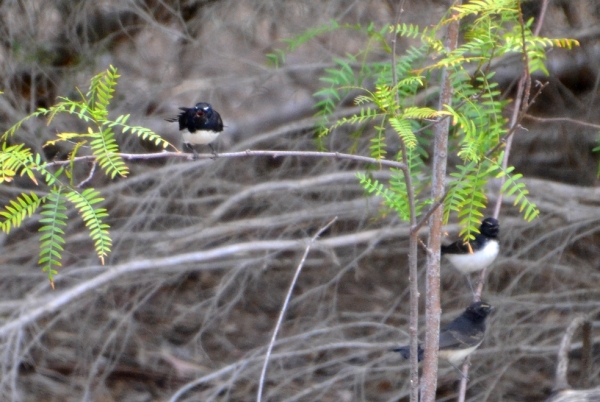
553,120
274,154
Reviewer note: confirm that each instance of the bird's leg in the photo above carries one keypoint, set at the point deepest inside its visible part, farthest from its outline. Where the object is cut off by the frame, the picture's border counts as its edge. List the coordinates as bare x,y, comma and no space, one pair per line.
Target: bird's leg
190,147
213,151
469,282
476,283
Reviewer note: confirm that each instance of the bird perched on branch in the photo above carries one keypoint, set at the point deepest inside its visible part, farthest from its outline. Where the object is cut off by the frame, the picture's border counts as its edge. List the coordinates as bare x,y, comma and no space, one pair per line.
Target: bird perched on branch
475,255
459,338
203,124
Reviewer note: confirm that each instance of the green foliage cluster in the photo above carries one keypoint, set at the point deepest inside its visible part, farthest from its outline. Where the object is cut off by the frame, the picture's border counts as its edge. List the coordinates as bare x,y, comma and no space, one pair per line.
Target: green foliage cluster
478,127
57,187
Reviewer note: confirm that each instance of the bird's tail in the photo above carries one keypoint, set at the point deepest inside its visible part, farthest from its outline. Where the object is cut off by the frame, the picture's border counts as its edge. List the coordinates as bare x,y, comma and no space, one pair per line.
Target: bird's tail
405,352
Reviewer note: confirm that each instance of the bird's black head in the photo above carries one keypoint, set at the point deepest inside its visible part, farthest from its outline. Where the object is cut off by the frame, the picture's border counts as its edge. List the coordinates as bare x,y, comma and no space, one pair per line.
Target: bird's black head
201,117
489,228
203,112
478,311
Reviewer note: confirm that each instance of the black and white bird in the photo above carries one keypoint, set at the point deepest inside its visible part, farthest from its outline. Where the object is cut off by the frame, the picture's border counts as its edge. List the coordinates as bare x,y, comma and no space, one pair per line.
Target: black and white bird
460,337
477,254
203,125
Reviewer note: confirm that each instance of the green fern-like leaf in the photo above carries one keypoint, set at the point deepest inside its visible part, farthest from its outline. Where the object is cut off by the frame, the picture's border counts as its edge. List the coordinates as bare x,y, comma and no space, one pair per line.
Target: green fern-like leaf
102,87
52,238
478,123
18,209
512,186
408,30
11,131
77,108
398,197
384,98
339,81
309,34
565,42
466,197
365,115
484,8
393,202
395,196
422,113
409,83
16,159
49,177
105,147
404,130
142,132
276,58
377,146
93,219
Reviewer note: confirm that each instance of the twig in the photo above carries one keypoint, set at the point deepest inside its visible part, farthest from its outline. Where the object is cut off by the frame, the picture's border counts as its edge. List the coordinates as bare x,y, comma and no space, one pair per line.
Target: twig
521,104
90,176
413,272
552,120
284,309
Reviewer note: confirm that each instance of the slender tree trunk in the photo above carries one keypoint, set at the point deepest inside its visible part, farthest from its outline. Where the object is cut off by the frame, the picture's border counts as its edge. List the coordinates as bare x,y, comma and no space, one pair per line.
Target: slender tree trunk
432,292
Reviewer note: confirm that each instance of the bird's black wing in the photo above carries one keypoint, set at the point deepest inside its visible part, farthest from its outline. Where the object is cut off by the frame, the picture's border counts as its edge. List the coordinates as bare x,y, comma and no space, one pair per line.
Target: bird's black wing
182,118
461,333
455,339
458,247
219,122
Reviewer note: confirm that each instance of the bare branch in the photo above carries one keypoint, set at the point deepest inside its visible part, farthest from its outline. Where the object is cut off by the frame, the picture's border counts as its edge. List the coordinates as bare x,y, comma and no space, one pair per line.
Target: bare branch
553,120
413,326
274,154
90,176
560,381
286,302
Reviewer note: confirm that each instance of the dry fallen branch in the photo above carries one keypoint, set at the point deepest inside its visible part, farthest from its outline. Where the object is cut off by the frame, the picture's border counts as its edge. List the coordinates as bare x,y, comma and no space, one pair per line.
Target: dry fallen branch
562,391
30,313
